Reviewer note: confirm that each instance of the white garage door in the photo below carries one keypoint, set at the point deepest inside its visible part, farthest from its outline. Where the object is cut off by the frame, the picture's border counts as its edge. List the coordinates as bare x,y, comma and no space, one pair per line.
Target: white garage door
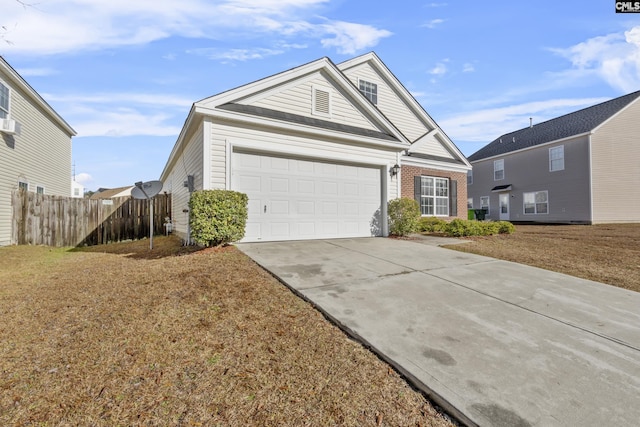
295,199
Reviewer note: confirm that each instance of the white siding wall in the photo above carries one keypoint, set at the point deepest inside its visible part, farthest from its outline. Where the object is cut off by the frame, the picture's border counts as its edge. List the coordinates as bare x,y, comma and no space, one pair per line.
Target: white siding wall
389,102
298,100
40,155
616,168
189,162
432,146
296,145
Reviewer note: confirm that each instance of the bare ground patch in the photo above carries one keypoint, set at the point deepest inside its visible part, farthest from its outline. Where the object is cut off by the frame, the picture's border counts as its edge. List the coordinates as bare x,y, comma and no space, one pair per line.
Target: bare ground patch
604,253
179,337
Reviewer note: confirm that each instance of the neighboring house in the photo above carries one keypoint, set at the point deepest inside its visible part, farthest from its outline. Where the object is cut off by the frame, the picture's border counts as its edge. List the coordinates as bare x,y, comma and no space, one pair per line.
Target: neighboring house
77,189
316,148
109,193
582,167
35,145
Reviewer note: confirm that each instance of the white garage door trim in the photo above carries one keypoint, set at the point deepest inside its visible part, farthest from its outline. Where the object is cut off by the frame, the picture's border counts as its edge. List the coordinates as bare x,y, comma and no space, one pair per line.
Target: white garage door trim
298,198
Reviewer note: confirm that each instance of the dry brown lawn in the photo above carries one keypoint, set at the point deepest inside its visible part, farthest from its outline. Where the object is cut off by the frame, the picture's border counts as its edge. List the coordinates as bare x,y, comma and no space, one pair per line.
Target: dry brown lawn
604,253
120,335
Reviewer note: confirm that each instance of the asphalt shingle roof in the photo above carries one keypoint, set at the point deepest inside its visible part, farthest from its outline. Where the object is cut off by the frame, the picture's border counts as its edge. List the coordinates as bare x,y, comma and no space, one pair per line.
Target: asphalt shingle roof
575,123
303,120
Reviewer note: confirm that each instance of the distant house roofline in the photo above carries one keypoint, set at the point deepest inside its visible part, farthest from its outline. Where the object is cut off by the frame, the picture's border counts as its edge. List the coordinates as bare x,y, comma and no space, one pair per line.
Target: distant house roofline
571,125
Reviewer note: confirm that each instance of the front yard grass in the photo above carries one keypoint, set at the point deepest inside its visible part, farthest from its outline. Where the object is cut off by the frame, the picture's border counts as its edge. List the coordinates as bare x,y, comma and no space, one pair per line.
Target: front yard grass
120,335
607,253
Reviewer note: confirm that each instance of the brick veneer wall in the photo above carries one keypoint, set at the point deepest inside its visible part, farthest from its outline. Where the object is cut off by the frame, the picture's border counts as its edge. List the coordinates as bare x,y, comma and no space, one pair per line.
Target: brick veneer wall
406,185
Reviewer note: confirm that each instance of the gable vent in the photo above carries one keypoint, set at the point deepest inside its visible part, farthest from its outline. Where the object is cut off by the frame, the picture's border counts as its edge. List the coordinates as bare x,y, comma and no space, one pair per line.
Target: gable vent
322,101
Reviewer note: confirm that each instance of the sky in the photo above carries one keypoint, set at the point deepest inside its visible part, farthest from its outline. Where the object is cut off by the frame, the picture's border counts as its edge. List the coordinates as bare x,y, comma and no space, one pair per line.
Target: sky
124,74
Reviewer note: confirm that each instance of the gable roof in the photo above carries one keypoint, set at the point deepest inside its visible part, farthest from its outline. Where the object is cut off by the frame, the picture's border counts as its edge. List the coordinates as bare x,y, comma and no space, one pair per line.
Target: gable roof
232,105
17,79
108,193
310,121
413,105
572,124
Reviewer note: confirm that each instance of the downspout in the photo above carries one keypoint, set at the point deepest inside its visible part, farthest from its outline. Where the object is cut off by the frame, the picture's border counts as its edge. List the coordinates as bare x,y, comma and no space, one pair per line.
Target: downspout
399,176
589,153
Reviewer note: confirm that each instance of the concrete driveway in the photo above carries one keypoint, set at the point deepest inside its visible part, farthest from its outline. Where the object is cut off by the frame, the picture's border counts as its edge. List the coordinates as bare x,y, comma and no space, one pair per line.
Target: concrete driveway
494,343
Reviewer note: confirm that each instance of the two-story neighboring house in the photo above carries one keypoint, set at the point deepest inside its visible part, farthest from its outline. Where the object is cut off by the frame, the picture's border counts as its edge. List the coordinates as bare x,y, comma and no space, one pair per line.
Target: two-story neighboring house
582,167
35,145
319,149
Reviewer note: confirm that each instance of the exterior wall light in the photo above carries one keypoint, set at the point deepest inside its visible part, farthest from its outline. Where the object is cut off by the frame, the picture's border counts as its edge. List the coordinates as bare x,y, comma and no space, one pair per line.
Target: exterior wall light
394,169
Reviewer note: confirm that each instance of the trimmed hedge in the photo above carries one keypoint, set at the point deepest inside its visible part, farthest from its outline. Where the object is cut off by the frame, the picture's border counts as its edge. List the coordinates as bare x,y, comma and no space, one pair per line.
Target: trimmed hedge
217,217
404,214
431,224
462,227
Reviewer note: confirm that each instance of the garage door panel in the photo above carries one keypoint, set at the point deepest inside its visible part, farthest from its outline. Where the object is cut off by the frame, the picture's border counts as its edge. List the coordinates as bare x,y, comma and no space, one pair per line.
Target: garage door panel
306,207
305,186
305,199
306,229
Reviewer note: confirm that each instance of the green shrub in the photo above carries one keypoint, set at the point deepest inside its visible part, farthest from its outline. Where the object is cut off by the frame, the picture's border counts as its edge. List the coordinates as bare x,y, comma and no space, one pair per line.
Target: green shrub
431,224
461,228
506,227
217,217
404,214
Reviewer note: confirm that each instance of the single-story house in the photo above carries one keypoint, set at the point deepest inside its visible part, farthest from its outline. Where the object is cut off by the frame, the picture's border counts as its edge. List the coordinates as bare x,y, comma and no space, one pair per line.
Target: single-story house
578,168
319,149
110,193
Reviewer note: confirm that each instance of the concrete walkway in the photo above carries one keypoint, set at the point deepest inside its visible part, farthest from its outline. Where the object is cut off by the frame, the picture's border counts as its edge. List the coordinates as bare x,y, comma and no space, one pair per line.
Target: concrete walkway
493,342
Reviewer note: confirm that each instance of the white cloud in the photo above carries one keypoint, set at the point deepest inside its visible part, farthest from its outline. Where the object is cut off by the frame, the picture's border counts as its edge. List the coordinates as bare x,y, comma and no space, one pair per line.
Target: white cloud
72,26
159,100
440,68
433,23
122,114
84,178
487,124
468,68
37,72
349,38
614,58
124,122
235,54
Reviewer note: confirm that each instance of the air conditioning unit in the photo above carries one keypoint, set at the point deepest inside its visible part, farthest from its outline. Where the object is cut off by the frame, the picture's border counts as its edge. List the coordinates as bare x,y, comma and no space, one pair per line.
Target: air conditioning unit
8,126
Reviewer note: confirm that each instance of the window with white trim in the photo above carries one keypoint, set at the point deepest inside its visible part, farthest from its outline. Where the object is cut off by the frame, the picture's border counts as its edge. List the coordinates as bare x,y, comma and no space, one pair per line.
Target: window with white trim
370,90
4,101
470,203
536,202
23,185
39,189
434,196
556,158
321,101
498,170
484,203
470,177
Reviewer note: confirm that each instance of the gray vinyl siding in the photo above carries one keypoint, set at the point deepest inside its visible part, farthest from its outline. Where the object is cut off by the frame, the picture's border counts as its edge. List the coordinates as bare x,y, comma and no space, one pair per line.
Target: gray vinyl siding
189,162
40,155
298,100
528,171
389,102
616,168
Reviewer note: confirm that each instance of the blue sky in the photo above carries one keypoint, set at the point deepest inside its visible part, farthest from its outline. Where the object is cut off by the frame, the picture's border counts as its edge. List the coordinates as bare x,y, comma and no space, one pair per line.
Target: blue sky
125,73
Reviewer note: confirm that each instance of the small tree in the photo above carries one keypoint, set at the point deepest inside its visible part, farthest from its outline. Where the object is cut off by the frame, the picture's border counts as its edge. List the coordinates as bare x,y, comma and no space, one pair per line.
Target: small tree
217,217
404,215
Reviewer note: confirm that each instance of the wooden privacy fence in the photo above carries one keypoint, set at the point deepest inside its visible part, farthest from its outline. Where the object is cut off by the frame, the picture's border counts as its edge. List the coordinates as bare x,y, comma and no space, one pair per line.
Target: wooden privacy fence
40,219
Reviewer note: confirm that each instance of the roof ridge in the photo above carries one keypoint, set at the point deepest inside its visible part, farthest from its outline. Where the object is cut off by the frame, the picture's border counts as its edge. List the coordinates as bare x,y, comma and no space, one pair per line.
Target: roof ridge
570,124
